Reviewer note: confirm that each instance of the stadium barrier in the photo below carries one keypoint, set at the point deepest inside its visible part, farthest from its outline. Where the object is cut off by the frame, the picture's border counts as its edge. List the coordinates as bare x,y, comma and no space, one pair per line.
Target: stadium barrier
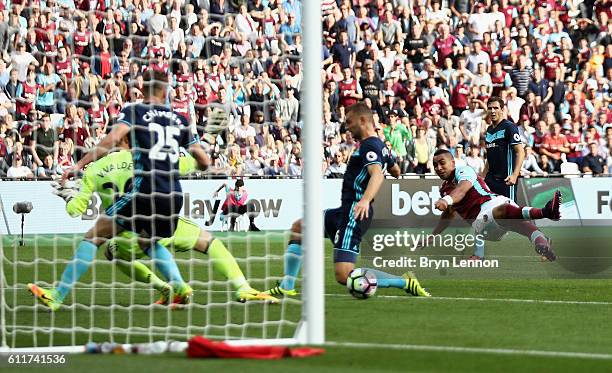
276,204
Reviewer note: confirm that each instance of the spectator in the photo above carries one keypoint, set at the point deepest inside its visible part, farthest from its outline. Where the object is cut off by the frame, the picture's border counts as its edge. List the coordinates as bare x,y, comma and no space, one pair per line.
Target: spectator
554,145
540,87
424,149
459,156
449,133
521,76
593,162
546,165
530,165
18,170
474,159
244,131
288,108
343,52
477,57
47,169
574,139
470,122
21,60
44,142
25,99
337,167
254,164
389,30
397,134
349,91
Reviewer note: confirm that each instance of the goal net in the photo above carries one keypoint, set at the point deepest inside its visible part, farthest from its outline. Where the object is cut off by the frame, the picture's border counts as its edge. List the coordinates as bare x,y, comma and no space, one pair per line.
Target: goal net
105,305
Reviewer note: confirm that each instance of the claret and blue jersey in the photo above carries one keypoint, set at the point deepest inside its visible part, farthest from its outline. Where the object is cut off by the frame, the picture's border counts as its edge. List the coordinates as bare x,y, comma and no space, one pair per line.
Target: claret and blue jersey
469,206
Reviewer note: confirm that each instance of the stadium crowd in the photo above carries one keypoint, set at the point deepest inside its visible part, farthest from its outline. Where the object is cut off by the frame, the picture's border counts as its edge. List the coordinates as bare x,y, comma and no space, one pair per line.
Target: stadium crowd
426,68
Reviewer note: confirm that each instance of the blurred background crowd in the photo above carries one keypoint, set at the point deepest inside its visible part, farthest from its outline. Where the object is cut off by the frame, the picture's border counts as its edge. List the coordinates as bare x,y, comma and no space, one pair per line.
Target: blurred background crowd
425,67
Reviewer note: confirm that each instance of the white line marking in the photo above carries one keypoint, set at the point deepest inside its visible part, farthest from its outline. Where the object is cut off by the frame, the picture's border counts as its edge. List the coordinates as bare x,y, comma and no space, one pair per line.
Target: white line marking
407,297
494,351
508,300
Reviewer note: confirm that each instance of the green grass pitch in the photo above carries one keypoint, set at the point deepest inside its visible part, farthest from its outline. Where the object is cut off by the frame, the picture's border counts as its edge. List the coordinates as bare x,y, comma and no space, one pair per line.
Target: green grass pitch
503,317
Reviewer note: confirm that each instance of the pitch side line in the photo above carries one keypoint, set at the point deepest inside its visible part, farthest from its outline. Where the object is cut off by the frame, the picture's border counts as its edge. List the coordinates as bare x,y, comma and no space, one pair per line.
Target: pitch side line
493,351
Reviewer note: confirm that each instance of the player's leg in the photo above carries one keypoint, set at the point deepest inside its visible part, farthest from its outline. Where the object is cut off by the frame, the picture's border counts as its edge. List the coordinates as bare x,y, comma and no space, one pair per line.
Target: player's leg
189,235
292,262
498,187
125,251
518,219
158,218
550,211
346,252
103,229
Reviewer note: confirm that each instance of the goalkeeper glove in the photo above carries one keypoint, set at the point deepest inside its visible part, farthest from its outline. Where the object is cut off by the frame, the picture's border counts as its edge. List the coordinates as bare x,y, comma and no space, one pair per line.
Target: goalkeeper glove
66,193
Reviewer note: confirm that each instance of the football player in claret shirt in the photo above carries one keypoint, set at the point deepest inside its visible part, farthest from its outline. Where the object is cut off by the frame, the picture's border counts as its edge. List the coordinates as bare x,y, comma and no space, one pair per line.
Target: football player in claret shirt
465,194
347,224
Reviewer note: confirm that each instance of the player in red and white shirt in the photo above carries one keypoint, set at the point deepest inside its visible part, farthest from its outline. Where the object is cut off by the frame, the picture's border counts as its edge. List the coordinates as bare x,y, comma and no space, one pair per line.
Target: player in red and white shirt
492,216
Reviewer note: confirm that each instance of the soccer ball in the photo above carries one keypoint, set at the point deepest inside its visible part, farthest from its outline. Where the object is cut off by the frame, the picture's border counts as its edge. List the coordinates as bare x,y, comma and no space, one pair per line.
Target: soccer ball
361,283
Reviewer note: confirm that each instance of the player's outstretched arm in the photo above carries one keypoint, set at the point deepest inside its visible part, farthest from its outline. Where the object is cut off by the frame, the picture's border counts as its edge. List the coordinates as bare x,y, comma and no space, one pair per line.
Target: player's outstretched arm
362,207
455,196
108,143
200,155
445,220
78,205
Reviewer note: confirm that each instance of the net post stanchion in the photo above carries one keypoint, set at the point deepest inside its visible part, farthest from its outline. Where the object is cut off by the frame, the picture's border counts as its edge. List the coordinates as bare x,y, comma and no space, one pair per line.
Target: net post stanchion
313,311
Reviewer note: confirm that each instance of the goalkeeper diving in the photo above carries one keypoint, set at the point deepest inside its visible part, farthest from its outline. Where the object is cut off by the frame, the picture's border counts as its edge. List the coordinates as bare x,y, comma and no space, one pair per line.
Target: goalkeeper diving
110,177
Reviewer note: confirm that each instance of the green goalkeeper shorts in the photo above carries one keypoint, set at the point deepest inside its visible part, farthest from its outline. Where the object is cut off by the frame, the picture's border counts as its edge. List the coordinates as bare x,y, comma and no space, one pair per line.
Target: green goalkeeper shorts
125,245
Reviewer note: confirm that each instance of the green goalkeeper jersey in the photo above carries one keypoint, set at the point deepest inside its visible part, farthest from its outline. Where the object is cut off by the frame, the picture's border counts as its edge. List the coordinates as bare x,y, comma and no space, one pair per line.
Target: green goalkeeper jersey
110,177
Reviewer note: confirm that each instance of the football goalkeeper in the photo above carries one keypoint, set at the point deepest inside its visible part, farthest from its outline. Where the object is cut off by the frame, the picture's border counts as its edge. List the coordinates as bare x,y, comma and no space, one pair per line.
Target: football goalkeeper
109,177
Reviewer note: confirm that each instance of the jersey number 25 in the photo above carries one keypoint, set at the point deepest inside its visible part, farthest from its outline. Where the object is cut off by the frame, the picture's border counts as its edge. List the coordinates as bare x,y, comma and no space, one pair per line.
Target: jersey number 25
167,145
